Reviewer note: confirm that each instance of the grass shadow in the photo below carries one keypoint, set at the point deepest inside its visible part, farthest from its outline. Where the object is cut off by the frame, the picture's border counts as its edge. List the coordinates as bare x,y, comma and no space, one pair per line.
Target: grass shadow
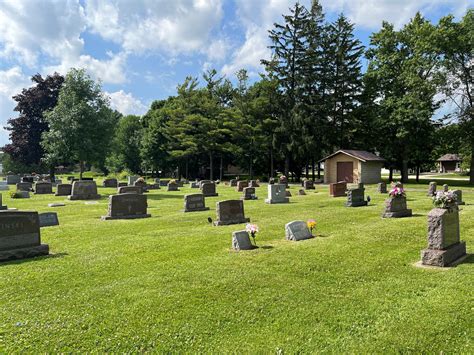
163,197
35,258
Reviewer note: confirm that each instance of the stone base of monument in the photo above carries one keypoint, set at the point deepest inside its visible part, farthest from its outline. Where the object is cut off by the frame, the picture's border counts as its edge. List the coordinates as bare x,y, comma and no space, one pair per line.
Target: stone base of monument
356,204
398,214
229,222
244,198
83,197
24,253
444,257
211,195
133,216
284,200
3,208
197,209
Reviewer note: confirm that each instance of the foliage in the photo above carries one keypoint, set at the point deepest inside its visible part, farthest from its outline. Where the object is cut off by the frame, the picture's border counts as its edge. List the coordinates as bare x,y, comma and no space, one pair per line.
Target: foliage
444,199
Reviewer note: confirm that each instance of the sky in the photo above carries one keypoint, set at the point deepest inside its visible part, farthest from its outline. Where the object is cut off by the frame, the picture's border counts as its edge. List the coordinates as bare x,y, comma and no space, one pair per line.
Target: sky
141,50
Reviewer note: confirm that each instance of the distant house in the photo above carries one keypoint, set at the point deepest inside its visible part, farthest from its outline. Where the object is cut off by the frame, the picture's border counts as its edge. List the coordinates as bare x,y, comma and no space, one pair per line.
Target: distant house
354,166
449,163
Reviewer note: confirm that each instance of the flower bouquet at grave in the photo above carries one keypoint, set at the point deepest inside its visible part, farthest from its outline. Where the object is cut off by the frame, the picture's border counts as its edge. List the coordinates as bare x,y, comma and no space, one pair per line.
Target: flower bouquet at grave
444,199
311,223
140,179
252,229
397,191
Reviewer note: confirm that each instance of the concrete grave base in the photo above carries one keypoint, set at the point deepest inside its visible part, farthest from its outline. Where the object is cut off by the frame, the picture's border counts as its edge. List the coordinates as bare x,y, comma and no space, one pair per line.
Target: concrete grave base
243,198
270,201
399,214
443,258
197,209
24,253
133,216
3,208
211,195
83,197
229,222
357,204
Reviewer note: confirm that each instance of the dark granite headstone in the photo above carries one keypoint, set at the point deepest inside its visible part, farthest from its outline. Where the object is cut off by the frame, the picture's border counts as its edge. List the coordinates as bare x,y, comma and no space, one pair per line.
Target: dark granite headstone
43,188
84,190
301,192
382,187
355,197
24,186
63,190
458,194
13,179
194,203
297,230
338,189
396,207
233,182
127,206
164,182
110,183
241,241
29,179
241,184
444,244
230,212
249,194
48,219
121,184
253,183
20,236
277,194
209,189
172,186
308,185
142,184
129,190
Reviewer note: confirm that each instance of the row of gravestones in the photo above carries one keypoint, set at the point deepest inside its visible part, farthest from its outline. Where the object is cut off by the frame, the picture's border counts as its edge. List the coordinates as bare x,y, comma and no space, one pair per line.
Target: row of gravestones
432,192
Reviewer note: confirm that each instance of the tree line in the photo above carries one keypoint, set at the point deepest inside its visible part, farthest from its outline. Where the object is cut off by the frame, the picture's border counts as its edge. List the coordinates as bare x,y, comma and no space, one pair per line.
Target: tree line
315,97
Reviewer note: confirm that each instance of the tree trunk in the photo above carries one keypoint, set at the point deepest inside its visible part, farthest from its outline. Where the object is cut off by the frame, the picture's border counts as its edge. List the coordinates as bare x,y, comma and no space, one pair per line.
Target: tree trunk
221,169
51,174
312,168
306,170
211,167
271,162
390,174
319,170
471,168
417,173
404,171
251,167
81,169
287,164
187,169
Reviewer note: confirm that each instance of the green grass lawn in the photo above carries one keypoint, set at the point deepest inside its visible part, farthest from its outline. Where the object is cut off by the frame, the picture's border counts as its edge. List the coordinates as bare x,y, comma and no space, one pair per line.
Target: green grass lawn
171,283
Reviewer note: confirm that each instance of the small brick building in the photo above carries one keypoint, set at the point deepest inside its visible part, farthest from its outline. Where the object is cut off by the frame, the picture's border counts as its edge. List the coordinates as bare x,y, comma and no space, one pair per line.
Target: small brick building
353,166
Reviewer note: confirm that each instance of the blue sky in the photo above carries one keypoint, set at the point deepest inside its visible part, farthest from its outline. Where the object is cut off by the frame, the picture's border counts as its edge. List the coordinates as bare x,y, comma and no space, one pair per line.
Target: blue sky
141,49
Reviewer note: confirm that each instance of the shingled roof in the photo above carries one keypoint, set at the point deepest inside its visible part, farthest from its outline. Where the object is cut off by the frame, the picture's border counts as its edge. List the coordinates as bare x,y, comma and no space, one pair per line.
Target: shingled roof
361,155
450,157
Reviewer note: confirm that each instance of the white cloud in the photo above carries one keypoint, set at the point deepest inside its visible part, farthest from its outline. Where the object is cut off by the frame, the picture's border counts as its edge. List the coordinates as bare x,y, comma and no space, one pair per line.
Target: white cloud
178,26
12,81
126,104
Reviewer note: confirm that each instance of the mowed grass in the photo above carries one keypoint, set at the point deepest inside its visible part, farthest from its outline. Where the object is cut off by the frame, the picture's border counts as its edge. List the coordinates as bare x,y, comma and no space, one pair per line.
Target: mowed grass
171,283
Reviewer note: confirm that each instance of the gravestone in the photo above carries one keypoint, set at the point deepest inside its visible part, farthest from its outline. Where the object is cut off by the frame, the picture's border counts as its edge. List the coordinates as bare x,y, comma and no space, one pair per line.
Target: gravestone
120,184
24,186
22,194
142,184
241,241
194,185
432,189
29,179
301,192
241,184
195,203
84,190
209,189
110,183
297,230
308,185
249,194
4,186
203,182
230,212
164,182
20,236
253,183
43,188
288,193
271,181
180,183
63,190
458,194
445,188
56,182
444,244
277,194
129,190
13,179
284,181
338,189
48,219
2,207
382,187
131,180
153,186
233,182
172,186
396,207
127,206
355,197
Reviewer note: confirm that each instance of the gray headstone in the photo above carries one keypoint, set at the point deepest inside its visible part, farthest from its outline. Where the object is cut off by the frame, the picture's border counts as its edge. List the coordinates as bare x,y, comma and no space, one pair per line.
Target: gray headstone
445,188
444,244
63,190
48,219
20,236
84,190
142,184
355,197
209,189
277,194
172,186
13,179
131,180
22,194
382,187
432,189
396,207
249,194
230,212
129,190
110,183
458,194
24,186
241,241
308,185
127,206
297,230
194,203
43,188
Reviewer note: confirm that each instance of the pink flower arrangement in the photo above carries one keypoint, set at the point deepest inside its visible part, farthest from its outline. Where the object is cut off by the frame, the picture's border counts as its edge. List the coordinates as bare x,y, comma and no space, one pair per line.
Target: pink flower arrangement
252,229
397,192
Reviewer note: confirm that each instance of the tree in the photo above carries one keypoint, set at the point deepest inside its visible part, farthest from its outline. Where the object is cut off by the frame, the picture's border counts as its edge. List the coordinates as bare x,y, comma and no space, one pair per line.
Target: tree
81,125
26,130
456,47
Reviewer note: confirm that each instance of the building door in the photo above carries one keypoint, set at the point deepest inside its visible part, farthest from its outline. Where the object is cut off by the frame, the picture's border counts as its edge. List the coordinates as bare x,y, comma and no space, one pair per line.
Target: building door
345,171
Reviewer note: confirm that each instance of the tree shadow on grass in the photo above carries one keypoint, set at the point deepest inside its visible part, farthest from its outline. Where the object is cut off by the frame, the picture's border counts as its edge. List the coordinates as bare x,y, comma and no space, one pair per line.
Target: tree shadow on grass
163,197
36,258
468,260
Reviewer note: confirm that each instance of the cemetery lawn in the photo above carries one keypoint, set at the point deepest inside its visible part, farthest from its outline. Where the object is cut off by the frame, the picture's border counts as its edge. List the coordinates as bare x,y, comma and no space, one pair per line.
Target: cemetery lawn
171,283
